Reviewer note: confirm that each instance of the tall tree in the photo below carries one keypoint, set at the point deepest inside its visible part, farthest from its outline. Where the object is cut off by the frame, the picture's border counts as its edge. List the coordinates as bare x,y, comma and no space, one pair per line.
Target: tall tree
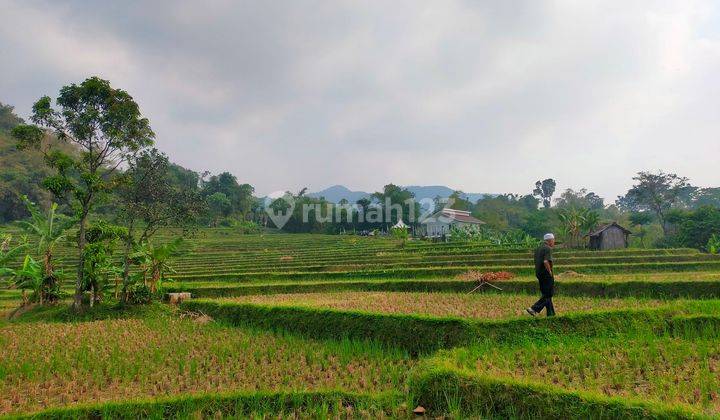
544,190
580,198
657,193
106,126
505,211
363,205
240,195
640,220
184,178
8,119
219,205
458,201
707,197
397,202
151,198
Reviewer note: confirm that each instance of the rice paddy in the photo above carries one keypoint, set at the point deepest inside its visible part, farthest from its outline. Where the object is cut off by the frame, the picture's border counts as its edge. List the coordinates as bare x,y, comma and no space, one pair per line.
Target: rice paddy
56,364
343,326
676,370
476,305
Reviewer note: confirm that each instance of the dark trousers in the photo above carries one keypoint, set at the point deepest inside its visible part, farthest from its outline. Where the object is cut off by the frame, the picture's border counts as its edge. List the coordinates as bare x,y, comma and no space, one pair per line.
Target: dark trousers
547,288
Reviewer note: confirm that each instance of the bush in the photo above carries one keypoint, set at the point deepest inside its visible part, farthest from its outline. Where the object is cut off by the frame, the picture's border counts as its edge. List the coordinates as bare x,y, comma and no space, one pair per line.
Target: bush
138,294
695,228
242,226
713,245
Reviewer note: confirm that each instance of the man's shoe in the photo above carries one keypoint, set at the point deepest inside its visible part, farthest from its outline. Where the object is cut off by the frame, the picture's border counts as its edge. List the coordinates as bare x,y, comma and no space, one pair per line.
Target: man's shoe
531,312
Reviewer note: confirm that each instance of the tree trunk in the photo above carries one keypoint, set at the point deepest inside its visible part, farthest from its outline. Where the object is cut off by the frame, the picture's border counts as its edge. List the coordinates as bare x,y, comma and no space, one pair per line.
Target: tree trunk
95,297
77,302
126,262
49,275
663,225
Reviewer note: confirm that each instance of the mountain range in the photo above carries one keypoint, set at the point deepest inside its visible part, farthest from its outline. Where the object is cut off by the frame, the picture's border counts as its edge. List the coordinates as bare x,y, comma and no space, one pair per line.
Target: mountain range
337,192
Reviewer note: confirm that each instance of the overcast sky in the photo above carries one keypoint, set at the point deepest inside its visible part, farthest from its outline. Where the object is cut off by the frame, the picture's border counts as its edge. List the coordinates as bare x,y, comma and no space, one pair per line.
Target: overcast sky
480,96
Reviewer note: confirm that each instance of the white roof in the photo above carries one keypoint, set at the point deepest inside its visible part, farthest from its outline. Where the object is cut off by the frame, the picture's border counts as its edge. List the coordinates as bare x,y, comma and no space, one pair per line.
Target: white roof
400,225
447,215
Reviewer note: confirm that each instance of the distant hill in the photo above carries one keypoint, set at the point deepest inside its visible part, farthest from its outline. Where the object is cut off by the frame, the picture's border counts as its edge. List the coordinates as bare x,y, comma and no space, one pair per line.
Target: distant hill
337,192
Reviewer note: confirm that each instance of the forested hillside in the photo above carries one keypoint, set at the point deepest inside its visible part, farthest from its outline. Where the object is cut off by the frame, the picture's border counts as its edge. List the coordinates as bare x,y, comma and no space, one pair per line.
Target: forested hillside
21,171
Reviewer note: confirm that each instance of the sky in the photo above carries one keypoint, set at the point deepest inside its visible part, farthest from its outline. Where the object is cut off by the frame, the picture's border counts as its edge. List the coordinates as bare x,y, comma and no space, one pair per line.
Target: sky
482,96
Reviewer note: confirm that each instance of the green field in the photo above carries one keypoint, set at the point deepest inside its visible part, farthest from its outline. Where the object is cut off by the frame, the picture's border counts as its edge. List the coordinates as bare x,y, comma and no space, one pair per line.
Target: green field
342,326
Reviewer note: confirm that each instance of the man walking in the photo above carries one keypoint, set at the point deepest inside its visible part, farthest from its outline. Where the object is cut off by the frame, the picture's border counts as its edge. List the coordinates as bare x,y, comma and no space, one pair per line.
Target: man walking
544,274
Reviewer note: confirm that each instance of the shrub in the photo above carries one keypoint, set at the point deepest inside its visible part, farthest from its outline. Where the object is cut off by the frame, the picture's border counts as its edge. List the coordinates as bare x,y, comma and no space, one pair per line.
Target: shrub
138,293
713,245
695,228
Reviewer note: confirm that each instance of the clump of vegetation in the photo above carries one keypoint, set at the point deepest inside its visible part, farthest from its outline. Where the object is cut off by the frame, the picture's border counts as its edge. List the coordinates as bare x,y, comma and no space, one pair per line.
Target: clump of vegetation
575,222
154,263
101,274
41,278
488,236
713,245
107,129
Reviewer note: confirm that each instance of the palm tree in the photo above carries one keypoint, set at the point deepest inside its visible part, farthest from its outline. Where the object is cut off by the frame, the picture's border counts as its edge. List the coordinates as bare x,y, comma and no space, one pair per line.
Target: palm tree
50,230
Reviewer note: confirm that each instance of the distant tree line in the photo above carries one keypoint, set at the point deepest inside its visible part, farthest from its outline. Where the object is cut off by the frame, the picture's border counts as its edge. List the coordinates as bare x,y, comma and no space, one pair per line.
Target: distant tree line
56,163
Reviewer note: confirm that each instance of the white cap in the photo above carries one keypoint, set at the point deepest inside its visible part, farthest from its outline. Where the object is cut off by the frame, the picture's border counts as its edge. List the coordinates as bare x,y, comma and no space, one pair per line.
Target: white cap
548,236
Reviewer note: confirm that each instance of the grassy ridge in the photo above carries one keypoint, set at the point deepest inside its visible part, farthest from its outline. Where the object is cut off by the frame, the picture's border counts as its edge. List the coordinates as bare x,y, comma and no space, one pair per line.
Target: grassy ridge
423,334
238,404
665,372
525,269
463,394
699,289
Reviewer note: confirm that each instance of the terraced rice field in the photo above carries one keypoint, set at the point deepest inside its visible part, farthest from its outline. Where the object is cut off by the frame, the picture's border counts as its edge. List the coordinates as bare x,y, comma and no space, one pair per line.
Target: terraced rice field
220,255
54,364
488,306
676,370
341,326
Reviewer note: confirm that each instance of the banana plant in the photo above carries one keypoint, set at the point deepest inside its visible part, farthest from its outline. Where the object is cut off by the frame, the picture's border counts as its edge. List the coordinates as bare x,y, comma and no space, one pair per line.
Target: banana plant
154,262
30,277
10,254
576,220
49,229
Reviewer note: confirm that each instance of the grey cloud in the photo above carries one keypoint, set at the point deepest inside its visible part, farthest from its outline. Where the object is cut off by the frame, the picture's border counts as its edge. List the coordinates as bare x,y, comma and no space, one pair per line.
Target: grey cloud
483,96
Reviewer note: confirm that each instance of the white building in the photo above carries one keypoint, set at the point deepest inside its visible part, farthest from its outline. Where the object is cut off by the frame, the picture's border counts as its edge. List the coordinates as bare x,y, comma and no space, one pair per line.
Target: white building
440,223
